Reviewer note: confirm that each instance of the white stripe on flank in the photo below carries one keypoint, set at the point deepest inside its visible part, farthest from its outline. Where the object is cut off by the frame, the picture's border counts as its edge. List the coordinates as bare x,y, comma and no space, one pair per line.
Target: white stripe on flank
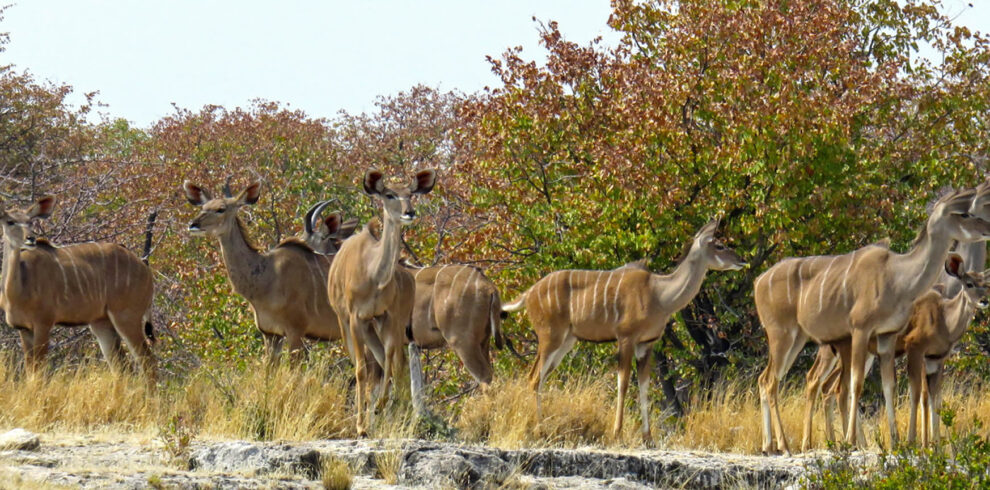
845,291
470,306
116,271
615,303
800,287
453,284
560,302
770,284
549,286
789,287
65,280
821,290
570,297
75,271
594,299
605,297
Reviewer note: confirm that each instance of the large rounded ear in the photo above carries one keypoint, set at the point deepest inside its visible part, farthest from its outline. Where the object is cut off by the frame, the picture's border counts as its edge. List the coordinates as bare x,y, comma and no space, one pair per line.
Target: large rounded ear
374,182
953,265
250,194
196,195
707,231
424,181
345,229
43,208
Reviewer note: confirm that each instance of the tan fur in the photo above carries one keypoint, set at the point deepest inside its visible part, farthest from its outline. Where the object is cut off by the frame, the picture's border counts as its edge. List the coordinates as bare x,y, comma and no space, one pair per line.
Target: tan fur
285,286
457,305
858,295
629,306
102,285
371,294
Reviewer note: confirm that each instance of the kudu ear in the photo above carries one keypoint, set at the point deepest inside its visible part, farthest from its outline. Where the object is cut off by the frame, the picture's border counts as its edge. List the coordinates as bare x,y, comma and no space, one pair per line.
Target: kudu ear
345,229
43,208
424,181
250,194
374,182
196,195
953,265
707,232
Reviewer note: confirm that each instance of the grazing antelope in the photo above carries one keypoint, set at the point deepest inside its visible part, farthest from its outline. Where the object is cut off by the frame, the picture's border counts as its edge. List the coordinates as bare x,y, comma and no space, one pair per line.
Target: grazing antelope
855,296
458,306
324,234
371,294
285,286
629,306
102,285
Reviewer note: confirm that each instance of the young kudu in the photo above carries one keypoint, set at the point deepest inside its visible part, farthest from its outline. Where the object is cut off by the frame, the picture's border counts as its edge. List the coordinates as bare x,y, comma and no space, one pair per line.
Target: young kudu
286,286
371,294
102,285
629,306
855,296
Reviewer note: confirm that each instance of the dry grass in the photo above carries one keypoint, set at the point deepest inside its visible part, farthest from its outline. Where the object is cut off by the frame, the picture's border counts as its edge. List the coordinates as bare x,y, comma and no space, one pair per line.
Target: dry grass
574,414
261,403
291,404
336,474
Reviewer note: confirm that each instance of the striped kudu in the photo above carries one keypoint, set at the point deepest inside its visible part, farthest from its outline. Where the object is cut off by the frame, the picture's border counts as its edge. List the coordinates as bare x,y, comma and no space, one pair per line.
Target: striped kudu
855,296
629,306
371,294
285,286
458,306
102,285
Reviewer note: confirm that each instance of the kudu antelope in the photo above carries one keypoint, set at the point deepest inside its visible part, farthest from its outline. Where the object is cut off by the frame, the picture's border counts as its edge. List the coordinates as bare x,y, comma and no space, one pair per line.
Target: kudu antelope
824,375
285,286
102,285
629,306
371,294
324,234
458,306
858,295
443,295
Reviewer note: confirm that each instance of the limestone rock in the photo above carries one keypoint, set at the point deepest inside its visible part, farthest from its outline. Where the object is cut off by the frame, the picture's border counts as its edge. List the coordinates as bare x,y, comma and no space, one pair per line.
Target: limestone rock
20,440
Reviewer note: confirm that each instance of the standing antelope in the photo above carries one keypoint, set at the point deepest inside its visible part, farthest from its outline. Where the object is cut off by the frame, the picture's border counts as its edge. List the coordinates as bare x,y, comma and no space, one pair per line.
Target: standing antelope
629,306
858,295
371,294
102,285
454,305
284,286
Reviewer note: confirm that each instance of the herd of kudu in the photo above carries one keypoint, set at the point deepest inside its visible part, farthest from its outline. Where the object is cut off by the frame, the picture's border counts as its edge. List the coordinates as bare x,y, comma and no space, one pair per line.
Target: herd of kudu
335,284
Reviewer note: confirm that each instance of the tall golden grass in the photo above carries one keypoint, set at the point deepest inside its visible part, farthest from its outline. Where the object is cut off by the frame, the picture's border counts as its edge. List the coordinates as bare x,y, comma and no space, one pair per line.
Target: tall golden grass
281,403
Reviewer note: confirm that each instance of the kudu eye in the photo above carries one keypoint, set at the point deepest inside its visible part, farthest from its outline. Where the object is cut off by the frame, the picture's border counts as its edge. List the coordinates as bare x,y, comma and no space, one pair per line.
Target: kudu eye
220,211
389,196
966,215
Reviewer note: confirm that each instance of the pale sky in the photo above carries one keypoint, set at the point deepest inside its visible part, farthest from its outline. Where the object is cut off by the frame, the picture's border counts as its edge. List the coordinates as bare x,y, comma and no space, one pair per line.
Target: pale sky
318,56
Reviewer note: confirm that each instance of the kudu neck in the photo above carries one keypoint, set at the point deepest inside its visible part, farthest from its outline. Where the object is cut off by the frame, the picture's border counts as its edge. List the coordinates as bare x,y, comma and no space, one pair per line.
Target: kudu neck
917,270
387,255
959,312
680,286
11,255
244,263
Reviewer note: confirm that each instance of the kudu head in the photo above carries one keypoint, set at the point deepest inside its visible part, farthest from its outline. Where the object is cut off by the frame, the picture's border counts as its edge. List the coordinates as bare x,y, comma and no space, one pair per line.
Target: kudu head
218,216
714,253
397,200
952,215
324,234
16,222
974,284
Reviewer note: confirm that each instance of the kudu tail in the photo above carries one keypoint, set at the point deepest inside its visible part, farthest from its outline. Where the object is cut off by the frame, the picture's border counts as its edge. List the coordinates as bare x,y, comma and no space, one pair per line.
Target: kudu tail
497,314
518,304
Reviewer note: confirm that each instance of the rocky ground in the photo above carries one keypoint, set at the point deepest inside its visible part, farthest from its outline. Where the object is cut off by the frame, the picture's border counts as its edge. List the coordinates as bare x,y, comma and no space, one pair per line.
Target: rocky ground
45,461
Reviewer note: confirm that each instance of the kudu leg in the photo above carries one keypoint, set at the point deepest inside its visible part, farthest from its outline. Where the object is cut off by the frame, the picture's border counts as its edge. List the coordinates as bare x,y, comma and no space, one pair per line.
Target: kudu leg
476,361
935,402
857,365
885,351
39,348
814,380
109,341
356,349
916,372
644,367
27,346
130,327
273,346
626,350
